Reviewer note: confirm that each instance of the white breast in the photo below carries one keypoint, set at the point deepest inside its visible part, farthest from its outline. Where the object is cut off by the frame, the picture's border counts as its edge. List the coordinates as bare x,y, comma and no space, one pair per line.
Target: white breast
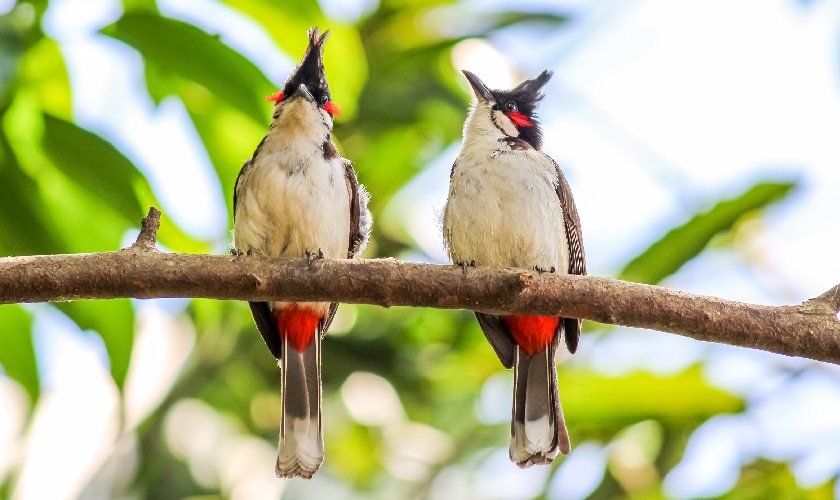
503,209
291,200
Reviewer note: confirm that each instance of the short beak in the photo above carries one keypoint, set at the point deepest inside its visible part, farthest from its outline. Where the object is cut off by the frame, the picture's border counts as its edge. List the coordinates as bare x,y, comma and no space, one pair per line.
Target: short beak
481,90
302,91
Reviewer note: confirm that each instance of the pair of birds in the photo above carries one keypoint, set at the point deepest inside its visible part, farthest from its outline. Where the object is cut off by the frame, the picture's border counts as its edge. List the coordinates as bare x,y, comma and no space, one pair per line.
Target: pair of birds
509,205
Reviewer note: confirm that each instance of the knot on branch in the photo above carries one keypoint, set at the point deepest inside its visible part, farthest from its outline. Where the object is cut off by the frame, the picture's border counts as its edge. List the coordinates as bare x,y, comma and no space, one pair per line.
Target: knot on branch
147,238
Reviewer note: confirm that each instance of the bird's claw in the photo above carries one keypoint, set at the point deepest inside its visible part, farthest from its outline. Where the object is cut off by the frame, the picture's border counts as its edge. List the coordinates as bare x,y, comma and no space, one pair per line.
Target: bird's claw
313,256
541,269
463,264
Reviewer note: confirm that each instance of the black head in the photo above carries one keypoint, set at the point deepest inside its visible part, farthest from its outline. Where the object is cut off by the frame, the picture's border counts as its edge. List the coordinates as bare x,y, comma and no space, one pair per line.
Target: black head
518,104
309,80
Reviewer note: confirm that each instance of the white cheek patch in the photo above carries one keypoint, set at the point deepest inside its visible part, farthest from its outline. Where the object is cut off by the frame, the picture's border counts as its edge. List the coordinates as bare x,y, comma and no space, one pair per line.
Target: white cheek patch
504,123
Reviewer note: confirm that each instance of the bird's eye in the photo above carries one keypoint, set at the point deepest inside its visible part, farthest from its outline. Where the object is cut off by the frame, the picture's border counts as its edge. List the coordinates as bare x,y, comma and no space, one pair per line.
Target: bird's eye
510,106
324,99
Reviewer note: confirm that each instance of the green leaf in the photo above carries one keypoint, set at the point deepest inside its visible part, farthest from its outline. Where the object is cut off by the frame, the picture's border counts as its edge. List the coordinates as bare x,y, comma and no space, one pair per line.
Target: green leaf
94,164
590,398
683,243
20,210
12,42
499,20
44,75
113,320
184,50
17,355
767,479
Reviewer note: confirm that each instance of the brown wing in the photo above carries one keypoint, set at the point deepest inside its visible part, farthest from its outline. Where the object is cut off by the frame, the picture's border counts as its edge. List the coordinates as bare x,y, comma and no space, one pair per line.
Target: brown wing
577,257
356,231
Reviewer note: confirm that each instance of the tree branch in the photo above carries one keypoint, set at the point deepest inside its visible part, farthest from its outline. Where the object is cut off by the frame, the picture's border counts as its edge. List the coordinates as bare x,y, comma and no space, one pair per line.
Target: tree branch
810,330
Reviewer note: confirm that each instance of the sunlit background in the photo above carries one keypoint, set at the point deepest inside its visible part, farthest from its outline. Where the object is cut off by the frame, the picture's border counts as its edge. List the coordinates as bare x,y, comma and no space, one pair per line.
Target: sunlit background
702,142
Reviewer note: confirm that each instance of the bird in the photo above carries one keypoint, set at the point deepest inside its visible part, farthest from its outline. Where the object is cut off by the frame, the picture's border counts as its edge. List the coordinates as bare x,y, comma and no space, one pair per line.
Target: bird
297,197
509,205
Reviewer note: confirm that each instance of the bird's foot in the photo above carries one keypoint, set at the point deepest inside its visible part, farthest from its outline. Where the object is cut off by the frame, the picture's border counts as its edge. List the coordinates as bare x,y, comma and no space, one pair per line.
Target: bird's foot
313,256
541,269
463,264
238,253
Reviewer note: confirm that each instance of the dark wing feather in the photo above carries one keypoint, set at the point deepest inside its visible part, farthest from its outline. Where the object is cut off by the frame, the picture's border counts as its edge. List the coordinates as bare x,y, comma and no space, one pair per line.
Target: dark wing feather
326,322
242,171
498,337
577,257
236,184
356,232
267,327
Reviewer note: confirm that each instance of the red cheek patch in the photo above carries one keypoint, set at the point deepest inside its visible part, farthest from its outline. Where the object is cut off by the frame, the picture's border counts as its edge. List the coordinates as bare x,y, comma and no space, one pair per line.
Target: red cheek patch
332,108
275,97
519,119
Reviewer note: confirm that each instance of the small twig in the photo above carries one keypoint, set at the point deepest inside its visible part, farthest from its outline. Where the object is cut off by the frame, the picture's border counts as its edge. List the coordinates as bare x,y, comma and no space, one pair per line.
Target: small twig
147,238
831,298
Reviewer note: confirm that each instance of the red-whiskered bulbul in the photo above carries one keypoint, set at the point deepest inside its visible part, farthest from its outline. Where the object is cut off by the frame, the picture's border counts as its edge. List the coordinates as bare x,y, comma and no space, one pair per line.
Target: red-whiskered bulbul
297,197
509,205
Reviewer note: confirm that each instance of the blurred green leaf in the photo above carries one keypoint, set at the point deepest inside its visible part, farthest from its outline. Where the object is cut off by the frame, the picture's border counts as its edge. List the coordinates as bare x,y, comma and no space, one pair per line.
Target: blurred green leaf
94,164
229,136
683,243
504,19
21,216
185,50
767,479
11,48
17,356
592,399
44,75
113,320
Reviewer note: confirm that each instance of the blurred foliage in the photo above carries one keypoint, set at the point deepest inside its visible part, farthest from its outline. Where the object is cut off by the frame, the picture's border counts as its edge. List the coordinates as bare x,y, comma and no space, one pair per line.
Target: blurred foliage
403,105
683,243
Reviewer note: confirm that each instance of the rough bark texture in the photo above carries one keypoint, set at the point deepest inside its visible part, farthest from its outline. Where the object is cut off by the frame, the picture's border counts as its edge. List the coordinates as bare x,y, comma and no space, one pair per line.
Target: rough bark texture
810,330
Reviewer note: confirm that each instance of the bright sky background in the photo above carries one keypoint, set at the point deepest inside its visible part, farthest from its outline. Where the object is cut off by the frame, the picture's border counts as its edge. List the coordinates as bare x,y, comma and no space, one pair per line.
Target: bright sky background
656,108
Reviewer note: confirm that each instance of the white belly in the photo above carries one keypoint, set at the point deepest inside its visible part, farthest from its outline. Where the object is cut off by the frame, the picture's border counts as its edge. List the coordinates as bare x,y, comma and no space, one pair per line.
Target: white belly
285,210
504,211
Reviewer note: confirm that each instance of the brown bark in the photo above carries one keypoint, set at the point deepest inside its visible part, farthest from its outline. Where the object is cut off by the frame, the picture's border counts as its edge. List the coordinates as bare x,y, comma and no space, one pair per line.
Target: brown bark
810,330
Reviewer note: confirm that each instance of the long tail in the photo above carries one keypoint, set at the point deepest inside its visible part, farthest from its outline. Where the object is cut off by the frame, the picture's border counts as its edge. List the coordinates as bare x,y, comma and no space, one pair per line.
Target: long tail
301,434
538,430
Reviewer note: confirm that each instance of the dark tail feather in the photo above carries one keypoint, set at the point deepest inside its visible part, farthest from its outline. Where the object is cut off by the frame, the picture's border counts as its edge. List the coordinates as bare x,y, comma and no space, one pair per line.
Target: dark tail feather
538,430
301,435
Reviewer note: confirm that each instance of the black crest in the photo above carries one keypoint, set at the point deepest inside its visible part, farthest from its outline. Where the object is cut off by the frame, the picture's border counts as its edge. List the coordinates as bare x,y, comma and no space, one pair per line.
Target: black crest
526,95
311,72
